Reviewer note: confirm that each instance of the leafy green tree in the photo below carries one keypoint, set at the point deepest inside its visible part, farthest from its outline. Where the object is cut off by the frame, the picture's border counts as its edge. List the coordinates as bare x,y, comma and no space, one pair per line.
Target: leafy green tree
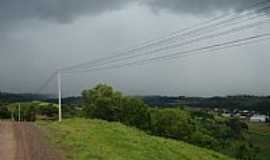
102,102
135,113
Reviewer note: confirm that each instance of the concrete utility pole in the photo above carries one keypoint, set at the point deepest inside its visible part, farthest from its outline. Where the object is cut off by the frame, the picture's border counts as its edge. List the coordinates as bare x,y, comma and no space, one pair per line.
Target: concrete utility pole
19,112
59,96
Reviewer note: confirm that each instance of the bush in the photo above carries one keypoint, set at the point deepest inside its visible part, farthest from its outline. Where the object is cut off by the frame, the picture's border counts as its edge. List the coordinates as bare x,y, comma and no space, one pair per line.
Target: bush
49,111
4,112
27,111
171,123
30,111
203,140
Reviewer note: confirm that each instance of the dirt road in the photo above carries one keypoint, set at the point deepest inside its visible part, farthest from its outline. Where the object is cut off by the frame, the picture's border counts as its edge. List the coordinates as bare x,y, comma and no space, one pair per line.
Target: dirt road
7,141
24,141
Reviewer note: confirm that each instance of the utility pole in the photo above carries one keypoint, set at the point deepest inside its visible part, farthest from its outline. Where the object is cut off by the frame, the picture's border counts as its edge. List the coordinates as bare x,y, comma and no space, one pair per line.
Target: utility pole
59,95
19,112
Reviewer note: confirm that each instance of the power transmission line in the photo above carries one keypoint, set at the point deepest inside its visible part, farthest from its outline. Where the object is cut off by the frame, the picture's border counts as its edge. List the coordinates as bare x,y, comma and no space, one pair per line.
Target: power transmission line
173,46
218,46
174,35
51,77
229,44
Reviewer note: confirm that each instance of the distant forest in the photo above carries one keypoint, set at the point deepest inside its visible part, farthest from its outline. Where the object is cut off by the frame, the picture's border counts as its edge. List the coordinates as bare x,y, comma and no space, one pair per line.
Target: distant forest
242,102
20,97
28,97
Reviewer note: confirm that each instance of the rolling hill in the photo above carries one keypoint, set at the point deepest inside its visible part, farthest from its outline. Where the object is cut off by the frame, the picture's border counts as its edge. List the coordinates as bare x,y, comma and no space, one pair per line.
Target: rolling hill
86,139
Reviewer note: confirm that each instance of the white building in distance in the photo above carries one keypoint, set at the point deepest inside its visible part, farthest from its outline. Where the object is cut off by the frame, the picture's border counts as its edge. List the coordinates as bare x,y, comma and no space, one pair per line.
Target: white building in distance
258,118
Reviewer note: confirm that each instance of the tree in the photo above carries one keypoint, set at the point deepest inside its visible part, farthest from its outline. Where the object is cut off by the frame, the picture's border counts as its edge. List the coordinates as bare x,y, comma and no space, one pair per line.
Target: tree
135,113
102,102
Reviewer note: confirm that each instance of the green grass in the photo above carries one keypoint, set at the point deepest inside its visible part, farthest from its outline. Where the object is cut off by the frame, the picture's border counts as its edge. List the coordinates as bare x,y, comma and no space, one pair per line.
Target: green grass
260,136
86,139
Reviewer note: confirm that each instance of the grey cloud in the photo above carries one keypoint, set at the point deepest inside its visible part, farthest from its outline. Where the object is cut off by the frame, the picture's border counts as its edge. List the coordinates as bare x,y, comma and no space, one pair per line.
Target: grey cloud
200,6
29,56
63,11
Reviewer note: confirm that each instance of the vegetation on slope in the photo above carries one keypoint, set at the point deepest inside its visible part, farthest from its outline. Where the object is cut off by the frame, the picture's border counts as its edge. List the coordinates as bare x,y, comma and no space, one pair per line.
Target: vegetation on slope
30,111
86,139
225,135
260,137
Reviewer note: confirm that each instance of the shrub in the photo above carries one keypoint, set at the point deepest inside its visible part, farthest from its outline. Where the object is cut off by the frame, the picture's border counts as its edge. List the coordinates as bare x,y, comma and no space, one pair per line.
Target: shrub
172,123
4,112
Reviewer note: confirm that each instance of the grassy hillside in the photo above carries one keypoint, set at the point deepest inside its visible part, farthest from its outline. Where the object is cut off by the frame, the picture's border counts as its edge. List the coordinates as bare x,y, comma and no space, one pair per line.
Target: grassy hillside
84,139
260,136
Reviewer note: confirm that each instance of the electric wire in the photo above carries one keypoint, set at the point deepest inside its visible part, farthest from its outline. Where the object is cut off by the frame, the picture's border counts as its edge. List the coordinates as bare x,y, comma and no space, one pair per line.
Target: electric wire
224,45
174,46
94,62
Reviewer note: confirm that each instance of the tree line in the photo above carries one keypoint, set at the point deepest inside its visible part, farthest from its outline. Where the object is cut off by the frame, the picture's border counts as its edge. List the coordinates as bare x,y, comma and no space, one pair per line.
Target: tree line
242,102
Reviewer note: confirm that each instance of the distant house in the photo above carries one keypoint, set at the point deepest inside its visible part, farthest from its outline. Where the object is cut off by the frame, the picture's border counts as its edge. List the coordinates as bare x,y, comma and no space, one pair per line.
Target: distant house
258,118
243,117
226,115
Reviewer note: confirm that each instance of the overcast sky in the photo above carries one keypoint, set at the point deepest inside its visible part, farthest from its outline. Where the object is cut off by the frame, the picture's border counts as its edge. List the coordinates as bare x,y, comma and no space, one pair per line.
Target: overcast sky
39,36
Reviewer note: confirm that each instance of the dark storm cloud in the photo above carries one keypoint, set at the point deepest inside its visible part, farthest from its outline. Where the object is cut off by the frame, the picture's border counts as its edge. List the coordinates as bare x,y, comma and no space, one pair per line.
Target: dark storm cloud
200,6
39,36
63,11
